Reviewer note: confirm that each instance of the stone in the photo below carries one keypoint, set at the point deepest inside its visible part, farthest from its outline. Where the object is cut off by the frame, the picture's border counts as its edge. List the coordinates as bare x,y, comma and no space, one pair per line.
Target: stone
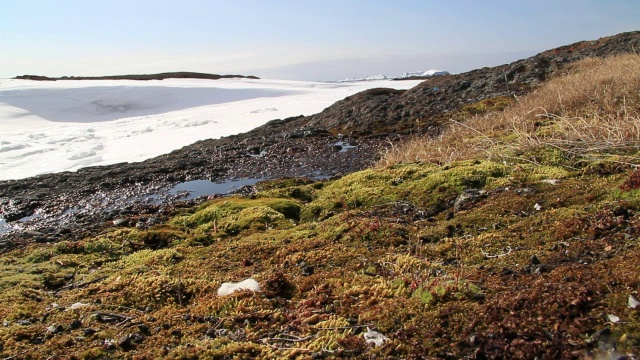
120,222
534,260
211,332
229,287
468,198
125,342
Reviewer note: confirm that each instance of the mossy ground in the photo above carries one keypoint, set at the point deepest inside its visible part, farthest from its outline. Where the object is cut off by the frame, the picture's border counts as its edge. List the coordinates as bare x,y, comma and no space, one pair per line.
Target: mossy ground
493,277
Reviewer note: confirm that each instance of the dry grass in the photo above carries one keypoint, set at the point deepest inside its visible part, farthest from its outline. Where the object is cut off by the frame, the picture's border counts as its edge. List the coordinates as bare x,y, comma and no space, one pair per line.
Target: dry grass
595,107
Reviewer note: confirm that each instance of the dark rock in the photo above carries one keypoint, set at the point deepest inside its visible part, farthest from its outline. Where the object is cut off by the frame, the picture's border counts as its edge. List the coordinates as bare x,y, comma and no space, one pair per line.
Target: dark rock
305,268
75,324
524,191
89,331
125,342
255,150
176,333
33,233
211,332
621,211
54,329
137,338
308,270
467,198
144,329
534,260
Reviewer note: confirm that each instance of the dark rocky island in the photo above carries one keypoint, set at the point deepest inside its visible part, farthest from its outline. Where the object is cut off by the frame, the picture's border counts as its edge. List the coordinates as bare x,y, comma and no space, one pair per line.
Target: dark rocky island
160,76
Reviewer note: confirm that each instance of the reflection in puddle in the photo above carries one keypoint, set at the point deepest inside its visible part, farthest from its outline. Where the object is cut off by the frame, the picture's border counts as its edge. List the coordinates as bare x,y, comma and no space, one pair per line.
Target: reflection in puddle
198,188
4,227
344,146
30,217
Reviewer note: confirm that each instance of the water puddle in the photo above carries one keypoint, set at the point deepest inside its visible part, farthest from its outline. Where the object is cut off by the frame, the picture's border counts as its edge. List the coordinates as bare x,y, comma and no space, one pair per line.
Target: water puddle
344,146
5,227
198,188
35,215
258,155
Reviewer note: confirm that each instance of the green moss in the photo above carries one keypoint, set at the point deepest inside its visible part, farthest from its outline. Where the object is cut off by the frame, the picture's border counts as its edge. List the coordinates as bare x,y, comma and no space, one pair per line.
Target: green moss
426,185
255,218
145,260
158,237
211,213
380,248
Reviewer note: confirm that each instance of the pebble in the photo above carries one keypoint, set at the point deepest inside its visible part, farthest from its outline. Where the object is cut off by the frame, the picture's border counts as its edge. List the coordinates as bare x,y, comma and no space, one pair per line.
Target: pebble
125,342
306,269
120,222
54,329
534,260
211,332
144,329
75,324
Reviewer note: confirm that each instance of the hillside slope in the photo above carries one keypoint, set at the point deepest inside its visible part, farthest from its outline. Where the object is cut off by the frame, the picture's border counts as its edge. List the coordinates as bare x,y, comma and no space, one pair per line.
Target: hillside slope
302,146
525,247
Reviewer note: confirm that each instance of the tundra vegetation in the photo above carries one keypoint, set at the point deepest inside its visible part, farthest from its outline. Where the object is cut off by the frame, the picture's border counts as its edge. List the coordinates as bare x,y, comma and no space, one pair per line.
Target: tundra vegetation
513,234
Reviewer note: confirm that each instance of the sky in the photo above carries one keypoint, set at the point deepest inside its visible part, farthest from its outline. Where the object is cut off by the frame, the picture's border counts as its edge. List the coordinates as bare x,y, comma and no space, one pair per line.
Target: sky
293,39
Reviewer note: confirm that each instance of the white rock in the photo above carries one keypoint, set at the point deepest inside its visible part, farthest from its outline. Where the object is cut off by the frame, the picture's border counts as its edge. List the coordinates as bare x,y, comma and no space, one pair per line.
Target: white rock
537,206
77,305
634,303
374,337
614,319
551,181
229,287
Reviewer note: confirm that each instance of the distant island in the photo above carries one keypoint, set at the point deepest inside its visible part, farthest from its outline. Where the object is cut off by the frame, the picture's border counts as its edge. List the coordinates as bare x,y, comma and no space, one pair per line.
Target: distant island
160,76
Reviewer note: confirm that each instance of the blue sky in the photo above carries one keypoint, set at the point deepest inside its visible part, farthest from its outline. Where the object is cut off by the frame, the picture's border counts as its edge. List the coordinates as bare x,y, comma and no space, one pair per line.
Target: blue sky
293,39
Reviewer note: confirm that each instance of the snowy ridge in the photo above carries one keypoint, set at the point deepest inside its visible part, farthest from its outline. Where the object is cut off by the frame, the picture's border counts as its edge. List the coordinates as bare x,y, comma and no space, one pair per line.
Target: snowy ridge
432,72
368,78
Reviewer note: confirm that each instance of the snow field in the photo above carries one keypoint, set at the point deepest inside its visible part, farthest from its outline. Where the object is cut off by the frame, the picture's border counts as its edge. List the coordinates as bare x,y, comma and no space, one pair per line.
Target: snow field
48,127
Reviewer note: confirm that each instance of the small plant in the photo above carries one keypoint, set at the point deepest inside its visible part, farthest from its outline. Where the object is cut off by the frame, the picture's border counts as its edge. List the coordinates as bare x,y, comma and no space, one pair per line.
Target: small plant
632,182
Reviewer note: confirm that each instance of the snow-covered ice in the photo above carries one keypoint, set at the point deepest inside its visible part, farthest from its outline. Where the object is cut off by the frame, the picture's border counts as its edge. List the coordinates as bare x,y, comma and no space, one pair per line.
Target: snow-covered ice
58,126
432,72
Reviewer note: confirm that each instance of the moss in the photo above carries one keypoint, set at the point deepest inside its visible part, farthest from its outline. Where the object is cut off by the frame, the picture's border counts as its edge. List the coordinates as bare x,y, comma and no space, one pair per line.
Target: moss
145,260
159,238
491,104
373,252
210,213
257,218
426,185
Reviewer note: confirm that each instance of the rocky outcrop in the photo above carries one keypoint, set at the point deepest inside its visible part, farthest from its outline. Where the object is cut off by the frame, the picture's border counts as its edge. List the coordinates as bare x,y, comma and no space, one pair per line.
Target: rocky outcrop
386,110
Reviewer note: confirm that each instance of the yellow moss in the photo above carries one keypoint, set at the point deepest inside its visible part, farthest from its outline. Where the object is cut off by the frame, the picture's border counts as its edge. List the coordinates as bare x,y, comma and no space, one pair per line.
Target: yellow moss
210,215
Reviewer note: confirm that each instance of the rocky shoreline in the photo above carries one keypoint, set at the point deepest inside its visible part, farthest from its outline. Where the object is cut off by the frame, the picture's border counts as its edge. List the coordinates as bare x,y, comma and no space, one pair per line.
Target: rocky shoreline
78,204
346,137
